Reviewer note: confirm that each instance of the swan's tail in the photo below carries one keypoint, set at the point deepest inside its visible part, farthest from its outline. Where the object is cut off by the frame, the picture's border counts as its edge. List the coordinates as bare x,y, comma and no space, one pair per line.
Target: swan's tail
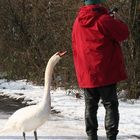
4,131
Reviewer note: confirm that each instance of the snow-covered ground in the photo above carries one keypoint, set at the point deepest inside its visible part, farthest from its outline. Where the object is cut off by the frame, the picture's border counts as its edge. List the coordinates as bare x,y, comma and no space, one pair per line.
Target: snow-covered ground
69,123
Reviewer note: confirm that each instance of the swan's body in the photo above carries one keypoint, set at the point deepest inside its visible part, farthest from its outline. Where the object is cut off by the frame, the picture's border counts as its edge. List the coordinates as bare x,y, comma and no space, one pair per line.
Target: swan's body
27,119
31,117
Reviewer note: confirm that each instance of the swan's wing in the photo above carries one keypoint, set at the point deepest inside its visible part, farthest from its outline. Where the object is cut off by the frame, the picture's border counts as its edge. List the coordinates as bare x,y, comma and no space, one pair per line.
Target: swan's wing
26,119
19,116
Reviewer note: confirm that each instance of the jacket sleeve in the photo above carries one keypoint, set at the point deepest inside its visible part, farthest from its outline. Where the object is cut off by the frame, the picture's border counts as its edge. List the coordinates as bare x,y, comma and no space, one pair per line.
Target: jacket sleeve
113,28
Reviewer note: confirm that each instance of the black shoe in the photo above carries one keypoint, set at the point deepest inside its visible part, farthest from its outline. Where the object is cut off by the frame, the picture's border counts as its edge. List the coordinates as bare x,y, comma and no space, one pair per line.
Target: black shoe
93,137
111,138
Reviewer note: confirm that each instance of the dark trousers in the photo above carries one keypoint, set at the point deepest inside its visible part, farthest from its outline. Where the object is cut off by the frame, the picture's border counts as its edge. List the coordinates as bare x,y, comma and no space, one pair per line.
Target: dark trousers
110,101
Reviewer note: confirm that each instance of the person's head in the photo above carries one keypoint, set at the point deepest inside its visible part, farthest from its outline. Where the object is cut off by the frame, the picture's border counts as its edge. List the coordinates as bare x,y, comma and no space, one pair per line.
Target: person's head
91,2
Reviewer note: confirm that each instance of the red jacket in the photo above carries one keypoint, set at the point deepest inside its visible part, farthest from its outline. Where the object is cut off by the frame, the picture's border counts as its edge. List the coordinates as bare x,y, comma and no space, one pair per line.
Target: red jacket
96,47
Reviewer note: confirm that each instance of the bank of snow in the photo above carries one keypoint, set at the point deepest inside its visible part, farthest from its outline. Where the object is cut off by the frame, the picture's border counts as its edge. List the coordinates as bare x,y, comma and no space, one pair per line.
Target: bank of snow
69,124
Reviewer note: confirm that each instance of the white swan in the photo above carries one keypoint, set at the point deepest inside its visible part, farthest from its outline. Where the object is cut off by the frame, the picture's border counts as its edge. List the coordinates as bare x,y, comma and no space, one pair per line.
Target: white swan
31,117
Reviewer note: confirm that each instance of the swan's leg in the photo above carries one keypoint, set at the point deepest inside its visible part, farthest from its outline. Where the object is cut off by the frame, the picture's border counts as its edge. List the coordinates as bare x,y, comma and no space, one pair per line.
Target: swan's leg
35,134
24,136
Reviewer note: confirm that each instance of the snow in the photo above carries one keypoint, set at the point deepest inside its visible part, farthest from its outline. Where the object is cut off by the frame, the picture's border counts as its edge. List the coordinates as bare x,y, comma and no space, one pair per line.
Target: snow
69,123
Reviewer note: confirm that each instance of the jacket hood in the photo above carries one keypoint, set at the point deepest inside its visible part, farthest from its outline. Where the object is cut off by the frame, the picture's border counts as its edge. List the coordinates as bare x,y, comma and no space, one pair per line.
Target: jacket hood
90,13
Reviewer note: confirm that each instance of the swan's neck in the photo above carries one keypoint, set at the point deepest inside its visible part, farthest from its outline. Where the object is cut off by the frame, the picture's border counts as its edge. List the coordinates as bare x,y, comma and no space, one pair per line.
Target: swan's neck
48,79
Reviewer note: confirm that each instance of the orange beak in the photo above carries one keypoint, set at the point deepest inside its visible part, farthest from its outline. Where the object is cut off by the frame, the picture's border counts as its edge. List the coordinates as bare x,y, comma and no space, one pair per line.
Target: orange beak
62,53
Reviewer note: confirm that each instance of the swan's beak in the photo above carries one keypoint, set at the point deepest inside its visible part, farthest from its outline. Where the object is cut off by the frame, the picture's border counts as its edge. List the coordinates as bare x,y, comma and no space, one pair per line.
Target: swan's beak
62,53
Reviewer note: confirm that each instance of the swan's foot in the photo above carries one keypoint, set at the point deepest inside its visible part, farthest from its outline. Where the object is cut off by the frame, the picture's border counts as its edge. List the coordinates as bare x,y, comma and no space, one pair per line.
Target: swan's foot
24,136
35,134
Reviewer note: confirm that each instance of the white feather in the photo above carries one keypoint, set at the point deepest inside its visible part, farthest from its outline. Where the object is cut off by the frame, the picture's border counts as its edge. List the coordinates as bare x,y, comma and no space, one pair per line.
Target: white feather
31,117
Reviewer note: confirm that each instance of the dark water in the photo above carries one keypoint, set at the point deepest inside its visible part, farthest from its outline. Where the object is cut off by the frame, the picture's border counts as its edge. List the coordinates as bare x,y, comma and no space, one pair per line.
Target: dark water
9,105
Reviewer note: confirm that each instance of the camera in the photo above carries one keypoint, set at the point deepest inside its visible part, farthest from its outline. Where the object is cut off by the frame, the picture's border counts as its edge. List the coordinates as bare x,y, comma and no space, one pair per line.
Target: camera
113,10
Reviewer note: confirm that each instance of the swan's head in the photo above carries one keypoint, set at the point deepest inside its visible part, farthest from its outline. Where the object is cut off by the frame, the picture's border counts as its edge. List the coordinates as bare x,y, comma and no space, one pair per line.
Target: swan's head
56,57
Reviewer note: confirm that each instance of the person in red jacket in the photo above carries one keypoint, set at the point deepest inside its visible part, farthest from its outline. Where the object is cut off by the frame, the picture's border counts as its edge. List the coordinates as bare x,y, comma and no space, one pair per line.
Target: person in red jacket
99,63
